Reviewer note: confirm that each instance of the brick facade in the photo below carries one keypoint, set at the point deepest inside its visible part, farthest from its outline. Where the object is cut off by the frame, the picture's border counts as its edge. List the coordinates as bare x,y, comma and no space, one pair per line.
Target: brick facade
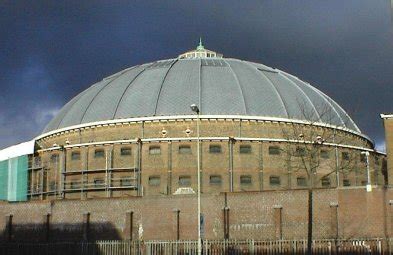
163,158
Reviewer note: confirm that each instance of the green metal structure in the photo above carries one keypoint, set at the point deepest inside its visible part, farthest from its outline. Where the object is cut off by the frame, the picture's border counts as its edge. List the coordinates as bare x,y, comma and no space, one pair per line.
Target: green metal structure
13,179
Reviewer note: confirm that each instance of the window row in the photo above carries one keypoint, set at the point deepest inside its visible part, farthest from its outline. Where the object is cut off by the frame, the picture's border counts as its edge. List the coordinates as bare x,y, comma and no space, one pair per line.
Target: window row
185,181
214,149
274,181
98,153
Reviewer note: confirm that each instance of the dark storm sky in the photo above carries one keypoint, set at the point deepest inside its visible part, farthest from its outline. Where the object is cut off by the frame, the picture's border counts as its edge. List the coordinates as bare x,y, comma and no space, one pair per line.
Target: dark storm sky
51,50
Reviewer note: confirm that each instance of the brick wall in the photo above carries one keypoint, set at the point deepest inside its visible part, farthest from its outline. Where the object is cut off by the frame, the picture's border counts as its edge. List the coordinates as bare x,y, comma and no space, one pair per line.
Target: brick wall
266,215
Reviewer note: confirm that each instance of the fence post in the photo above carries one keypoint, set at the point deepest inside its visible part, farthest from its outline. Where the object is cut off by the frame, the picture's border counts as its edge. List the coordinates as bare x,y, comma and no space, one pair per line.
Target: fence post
129,225
251,246
177,220
379,247
278,221
226,222
8,220
86,226
334,223
46,222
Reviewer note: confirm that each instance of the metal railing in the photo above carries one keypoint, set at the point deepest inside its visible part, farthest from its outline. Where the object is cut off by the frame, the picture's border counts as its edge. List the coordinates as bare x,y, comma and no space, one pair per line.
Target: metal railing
209,247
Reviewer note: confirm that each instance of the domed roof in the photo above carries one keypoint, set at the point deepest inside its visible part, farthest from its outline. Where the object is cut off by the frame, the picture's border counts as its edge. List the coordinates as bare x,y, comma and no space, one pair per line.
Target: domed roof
220,86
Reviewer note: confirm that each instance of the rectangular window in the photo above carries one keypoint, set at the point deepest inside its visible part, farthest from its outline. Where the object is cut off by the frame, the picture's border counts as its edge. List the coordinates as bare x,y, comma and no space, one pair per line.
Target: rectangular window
154,180
75,155
184,149
301,182
274,181
185,181
99,182
346,183
75,184
215,179
363,158
54,158
125,181
325,154
99,153
245,179
274,150
215,148
345,155
125,151
245,149
300,152
376,161
154,150
325,182
52,185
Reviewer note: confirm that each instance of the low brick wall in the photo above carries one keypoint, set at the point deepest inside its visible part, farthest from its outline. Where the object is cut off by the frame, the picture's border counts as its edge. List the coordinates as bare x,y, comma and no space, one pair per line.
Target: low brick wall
268,215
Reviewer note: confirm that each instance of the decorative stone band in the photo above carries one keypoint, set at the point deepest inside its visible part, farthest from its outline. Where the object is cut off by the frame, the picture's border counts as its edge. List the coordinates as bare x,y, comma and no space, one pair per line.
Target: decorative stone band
194,117
179,139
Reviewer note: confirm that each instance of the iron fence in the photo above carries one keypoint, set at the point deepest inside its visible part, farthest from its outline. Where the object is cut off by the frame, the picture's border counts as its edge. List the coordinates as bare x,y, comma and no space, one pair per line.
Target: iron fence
209,247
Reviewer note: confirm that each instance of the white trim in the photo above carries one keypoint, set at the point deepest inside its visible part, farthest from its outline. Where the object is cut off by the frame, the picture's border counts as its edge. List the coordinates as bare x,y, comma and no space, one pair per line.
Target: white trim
148,140
17,150
191,117
386,116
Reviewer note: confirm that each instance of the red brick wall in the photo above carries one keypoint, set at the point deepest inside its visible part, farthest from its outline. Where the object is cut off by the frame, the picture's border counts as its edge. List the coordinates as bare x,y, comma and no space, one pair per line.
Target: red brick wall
252,215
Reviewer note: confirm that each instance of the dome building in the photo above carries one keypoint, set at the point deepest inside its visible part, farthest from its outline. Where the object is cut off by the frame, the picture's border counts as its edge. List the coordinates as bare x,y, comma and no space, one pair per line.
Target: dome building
132,139
134,132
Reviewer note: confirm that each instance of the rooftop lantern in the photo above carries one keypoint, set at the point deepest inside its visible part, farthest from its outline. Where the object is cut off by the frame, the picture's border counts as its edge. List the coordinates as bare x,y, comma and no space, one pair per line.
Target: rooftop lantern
200,52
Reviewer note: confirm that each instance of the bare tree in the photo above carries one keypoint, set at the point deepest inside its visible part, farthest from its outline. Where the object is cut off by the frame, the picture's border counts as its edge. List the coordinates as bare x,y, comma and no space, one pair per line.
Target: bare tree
309,149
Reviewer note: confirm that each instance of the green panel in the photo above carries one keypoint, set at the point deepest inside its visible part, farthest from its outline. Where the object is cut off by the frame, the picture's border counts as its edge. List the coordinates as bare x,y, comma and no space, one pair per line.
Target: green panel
17,178
4,180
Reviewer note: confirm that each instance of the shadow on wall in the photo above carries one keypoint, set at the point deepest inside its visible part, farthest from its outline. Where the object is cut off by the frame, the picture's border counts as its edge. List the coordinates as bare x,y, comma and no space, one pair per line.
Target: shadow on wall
75,232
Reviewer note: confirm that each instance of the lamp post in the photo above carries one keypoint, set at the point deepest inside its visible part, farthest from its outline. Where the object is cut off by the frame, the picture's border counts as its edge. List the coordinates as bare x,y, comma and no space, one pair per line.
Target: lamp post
368,187
195,109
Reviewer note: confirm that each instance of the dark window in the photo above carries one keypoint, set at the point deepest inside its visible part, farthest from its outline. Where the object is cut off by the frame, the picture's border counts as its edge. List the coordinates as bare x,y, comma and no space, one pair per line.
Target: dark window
185,181
245,149
345,155
346,182
300,152
185,149
245,179
99,182
215,179
154,180
363,158
125,181
37,161
54,158
99,153
325,182
52,185
75,184
154,150
215,148
364,183
125,151
301,181
274,181
376,160
274,150
75,155
325,154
